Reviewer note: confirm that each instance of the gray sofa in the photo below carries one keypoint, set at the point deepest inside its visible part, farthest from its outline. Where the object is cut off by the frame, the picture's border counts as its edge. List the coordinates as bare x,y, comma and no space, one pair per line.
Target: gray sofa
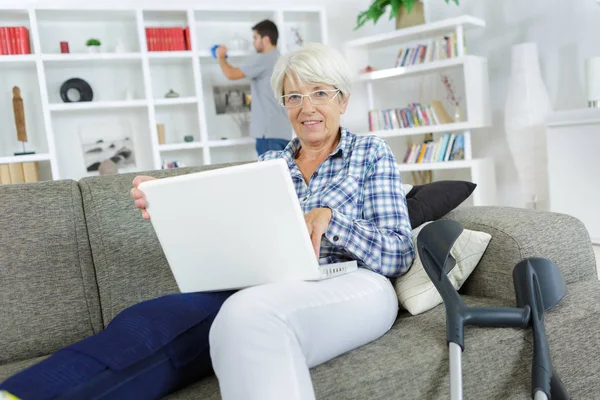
74,254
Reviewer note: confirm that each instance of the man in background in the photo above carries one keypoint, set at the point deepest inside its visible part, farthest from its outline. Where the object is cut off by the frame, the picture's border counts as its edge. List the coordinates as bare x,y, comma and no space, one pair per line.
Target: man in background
269,123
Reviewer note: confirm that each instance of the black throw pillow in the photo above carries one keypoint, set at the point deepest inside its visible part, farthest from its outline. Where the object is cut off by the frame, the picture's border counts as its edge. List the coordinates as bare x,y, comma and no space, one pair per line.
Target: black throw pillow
434,200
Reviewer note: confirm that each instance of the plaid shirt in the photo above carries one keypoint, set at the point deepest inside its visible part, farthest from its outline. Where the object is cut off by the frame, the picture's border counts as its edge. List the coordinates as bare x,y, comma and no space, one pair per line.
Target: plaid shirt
360,183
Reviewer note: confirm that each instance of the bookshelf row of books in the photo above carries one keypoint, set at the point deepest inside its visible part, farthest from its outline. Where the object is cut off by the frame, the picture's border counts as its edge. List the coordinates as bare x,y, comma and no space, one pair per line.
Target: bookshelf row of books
19,173
14,40
168,39
449,147
415,114
439,48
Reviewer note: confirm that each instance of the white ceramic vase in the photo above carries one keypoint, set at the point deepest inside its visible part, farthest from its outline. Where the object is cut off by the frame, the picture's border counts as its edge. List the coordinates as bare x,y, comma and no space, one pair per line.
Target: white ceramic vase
527,106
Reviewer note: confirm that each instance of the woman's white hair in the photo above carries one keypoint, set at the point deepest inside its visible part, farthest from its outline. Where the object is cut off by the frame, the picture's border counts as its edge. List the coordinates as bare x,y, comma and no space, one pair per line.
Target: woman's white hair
312,63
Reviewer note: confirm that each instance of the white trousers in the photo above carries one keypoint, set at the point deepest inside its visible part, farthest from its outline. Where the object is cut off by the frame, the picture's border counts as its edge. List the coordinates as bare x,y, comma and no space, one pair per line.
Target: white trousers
265,338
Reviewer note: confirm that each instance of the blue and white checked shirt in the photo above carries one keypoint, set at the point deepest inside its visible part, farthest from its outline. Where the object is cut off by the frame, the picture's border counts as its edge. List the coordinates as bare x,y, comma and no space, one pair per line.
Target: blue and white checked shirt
360,183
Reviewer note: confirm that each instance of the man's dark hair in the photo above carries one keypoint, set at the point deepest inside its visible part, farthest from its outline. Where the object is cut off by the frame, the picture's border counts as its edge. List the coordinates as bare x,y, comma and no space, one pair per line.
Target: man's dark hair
267,28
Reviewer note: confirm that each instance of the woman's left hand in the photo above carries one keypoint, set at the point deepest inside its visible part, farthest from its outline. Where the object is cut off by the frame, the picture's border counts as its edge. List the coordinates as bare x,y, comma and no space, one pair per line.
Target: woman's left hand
317,221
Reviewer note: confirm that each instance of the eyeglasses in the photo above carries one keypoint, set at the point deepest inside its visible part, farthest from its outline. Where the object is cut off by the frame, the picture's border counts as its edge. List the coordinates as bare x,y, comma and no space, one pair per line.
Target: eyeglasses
317,97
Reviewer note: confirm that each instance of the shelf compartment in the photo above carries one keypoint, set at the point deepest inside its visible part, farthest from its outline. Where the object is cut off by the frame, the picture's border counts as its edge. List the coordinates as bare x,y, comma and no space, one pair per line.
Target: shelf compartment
175,74
232,29
114,28
301,27
179,122
110,80
25,77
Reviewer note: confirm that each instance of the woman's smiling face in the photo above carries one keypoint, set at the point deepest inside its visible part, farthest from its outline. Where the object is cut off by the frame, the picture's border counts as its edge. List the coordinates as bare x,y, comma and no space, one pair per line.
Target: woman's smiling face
315,124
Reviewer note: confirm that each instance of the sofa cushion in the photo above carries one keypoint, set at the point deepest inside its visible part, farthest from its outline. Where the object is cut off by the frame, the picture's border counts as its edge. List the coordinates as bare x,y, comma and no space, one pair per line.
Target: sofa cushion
411,360
130,264
519,233
417,293
48,296
433,200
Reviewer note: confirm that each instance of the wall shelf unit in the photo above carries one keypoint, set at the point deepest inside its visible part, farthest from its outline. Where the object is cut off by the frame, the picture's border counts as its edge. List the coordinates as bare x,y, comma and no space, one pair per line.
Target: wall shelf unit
130,82
380,51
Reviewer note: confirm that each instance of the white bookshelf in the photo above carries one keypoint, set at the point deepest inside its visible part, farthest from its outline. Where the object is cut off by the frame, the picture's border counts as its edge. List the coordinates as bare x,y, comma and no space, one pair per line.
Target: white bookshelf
395,87
130,85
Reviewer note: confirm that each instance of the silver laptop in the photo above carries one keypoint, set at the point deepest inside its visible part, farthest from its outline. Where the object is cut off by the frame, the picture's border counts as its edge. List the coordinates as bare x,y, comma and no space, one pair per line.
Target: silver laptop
234,227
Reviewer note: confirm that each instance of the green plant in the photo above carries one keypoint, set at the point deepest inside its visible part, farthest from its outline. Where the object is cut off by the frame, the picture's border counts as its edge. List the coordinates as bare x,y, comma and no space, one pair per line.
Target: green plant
379,7
92,42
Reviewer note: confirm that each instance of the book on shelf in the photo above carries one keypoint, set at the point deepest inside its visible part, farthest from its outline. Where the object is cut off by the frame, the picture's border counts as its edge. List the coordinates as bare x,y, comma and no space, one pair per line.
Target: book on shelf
14,40
172,164
449,147
434,49
25,172
416,114
168,39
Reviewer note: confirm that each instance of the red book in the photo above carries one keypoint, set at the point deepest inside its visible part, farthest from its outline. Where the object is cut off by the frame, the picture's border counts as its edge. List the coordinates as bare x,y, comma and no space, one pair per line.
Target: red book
188,39
9,40
26,40
178,32
161,39
14,36
154,39
172,46
18,45
3,41
148,47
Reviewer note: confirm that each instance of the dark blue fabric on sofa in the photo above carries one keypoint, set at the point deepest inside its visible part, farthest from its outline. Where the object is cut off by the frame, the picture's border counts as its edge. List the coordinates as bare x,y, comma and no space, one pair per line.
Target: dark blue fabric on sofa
147,351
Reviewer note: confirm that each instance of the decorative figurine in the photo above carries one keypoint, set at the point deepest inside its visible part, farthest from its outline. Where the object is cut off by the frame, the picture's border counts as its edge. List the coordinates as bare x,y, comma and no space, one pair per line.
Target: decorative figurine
19,112
172,94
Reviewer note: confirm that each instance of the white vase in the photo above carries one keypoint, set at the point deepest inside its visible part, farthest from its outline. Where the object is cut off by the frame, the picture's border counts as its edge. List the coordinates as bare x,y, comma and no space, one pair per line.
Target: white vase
94,49
525,112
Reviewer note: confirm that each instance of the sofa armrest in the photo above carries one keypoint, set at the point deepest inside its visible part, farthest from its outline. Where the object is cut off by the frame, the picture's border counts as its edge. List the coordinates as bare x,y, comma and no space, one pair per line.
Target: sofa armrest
520,233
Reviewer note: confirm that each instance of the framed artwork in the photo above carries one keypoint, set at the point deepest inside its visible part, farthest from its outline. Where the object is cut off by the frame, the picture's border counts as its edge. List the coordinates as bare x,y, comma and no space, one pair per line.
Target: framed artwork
104,140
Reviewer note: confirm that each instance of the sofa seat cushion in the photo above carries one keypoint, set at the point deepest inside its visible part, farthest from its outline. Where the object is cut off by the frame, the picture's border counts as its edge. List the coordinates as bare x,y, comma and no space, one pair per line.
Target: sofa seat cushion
411,361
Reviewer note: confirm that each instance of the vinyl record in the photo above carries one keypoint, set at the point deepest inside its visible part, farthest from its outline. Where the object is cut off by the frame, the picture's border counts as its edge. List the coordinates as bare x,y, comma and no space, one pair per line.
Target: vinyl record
80,86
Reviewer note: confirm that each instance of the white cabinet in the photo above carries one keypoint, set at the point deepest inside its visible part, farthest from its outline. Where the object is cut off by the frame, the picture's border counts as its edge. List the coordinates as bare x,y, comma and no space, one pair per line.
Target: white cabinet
573,142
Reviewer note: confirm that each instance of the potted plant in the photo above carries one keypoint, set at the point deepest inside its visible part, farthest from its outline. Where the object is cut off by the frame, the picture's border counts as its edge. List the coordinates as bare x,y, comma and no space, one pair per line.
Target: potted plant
93,45
400,9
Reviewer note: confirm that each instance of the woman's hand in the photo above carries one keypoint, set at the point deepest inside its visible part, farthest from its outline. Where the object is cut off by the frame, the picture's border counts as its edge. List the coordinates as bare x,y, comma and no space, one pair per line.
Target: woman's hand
138,195
317,221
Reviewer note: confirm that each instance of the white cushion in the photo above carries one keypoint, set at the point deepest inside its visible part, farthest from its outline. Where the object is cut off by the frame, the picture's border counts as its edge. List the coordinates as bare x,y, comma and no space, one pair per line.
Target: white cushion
415,290
406,188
